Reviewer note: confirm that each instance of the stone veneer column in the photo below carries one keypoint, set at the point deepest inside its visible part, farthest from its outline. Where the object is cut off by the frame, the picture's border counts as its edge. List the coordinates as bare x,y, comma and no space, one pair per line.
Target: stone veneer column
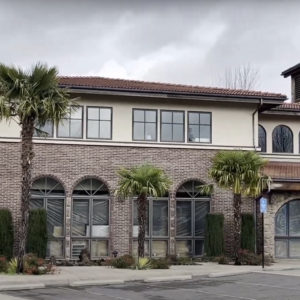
172,224
68,228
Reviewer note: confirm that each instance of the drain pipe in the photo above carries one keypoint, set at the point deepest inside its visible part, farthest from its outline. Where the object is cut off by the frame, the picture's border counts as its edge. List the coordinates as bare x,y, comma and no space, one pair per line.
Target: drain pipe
253,121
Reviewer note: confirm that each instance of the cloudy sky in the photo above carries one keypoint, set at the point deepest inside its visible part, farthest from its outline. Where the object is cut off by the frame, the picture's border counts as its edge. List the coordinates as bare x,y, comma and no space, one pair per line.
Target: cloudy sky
186,41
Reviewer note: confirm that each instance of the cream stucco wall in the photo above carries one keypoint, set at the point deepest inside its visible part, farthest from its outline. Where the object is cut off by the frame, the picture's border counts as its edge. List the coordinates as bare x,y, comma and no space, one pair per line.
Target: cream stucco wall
231,122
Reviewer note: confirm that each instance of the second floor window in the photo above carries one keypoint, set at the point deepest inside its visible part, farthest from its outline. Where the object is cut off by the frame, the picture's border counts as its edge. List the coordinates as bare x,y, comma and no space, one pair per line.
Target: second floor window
47,128
144,125
282,139
99,122
199,124
172,126
262,139
71,127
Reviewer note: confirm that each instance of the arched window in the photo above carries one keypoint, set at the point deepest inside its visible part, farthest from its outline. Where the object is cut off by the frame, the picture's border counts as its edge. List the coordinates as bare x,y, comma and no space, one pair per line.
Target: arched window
262,139
287,230
157,231
282,137
90,218
191,209
48,193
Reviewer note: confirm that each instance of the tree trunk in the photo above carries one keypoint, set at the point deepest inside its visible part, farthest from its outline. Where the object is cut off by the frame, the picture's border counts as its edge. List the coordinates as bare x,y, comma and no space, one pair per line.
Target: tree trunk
142,205
237,208
26,164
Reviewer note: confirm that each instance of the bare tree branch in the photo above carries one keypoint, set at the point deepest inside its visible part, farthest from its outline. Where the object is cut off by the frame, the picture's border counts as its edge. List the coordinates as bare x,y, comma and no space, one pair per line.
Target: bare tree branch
243,77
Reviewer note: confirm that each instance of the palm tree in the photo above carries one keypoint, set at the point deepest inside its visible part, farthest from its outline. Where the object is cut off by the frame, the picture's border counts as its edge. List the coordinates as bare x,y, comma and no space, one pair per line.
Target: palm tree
241,172
142,181
32,98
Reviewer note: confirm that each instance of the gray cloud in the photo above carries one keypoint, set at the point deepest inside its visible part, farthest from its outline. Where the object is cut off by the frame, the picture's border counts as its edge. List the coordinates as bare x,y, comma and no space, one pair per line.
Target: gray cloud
176,41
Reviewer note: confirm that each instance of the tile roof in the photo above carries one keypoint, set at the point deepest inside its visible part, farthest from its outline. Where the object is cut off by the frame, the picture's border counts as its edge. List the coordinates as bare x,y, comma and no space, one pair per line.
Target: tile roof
134,85
288,106
279,170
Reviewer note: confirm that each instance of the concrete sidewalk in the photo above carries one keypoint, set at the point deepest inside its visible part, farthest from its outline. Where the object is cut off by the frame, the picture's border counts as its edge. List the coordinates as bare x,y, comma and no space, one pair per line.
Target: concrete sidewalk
83,276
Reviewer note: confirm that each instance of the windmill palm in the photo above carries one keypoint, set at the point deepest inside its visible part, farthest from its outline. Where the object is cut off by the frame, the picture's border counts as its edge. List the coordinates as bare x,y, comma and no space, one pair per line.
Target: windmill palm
32,98
142,181
241,172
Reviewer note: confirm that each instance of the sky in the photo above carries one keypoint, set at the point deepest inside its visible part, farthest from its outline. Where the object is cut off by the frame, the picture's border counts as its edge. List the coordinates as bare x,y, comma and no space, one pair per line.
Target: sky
175,41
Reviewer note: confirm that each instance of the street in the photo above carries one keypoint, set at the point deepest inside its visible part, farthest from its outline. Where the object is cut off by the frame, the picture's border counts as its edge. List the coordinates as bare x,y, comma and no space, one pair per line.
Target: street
253,286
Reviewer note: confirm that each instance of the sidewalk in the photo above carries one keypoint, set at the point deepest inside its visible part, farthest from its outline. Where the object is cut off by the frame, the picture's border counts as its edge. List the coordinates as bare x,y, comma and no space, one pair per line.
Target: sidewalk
80,276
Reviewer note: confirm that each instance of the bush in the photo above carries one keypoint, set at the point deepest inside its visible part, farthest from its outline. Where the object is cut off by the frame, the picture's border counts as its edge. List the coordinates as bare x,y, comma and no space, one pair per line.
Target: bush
248,258
3,264
37,233
248,232
37,266
12,266
214,235
6,233
223,260
160,263
123,262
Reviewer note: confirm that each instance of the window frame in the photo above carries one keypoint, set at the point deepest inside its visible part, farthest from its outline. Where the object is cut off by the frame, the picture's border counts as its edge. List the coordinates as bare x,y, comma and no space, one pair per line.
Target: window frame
183,124
188,126
111,122
265,137
90,199
82,125
151,238
45,201
156,120
291,131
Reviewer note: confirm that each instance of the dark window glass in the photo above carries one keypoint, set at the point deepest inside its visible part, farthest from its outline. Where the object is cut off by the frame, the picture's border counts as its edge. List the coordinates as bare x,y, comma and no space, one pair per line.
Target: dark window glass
47,128
144,125
99,122
71,127
172,126
282,137
262,139
199,127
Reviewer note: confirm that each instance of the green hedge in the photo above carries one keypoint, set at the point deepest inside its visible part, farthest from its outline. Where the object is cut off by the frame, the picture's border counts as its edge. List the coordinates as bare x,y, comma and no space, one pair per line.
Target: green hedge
248,232
6,233
37,237
214,234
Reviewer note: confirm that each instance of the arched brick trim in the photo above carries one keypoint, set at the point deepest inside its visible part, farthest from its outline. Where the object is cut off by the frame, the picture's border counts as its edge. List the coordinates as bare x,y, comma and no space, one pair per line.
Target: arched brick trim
92,177
53,177
184,181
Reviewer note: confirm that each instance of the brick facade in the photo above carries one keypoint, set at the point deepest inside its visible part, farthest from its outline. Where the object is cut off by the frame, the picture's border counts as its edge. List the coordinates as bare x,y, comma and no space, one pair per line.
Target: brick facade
71,163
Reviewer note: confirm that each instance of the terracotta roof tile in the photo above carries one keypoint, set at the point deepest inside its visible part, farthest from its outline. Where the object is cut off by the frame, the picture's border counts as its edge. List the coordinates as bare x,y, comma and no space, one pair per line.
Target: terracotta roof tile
289,106
278,170
134,85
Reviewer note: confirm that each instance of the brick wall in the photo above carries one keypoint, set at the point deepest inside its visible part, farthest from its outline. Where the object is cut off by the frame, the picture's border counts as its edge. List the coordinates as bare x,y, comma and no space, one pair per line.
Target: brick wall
71,163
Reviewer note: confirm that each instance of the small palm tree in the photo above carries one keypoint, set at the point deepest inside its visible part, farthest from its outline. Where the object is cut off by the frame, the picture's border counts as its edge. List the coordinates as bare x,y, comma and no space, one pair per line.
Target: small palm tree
142,181
32,98
241,172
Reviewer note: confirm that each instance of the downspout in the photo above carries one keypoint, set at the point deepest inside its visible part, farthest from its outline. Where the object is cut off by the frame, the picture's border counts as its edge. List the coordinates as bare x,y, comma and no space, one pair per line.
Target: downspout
253,122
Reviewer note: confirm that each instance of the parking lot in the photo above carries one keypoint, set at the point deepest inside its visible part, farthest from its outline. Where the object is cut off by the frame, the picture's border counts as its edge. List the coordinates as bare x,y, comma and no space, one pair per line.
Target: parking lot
253,286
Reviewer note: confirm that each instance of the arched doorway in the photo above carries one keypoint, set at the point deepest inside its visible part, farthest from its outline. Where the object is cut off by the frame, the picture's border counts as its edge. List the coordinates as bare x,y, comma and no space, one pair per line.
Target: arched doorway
48,193
287,230
90,227
191,209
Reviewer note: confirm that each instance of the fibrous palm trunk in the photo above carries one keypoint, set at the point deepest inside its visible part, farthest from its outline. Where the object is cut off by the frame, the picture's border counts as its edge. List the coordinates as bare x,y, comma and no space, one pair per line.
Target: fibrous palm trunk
26,164
142,204
237,208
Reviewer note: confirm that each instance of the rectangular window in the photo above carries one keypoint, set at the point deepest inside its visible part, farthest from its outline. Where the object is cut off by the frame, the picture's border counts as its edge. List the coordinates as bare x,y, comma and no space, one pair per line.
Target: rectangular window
199,127
144,125
47,128
172,126
99,123
71,127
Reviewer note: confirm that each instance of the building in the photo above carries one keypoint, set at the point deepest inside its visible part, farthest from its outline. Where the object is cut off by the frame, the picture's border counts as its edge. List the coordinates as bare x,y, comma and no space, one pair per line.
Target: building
179,128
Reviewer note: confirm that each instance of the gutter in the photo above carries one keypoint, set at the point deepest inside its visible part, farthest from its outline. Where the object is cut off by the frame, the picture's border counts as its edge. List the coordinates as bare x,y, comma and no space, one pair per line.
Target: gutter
253,121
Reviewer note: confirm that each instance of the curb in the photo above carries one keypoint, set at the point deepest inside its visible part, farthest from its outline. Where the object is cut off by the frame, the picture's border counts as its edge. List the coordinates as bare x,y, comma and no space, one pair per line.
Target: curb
225,274
168,278
95,282
283,269
14,287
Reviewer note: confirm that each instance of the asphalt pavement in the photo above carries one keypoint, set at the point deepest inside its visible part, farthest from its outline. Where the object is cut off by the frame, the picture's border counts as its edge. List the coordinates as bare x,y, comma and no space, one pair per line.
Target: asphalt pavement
255,286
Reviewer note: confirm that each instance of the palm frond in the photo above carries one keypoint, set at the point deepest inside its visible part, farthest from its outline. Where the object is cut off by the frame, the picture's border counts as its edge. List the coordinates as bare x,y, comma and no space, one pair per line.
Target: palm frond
206,189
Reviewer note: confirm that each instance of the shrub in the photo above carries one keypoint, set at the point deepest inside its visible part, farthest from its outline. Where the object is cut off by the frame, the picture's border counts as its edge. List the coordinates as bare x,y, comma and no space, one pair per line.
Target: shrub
141,263
160,263
223,260
248,258
179,261
37,232
3,264
123,262
248,232
6,233
12,266
214,235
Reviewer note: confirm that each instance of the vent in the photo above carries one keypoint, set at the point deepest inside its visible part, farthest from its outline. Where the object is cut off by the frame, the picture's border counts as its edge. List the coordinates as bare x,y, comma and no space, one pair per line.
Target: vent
297,88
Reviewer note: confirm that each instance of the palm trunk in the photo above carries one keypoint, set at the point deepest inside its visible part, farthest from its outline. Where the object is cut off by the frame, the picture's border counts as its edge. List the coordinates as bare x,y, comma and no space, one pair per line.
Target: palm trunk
26,164
237,208
142,204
